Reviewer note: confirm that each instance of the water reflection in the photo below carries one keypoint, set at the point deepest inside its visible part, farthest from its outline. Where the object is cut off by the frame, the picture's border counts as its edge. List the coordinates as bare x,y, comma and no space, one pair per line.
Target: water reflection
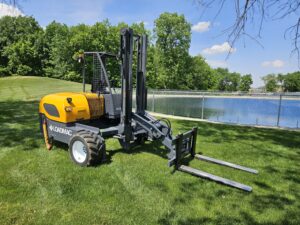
260,111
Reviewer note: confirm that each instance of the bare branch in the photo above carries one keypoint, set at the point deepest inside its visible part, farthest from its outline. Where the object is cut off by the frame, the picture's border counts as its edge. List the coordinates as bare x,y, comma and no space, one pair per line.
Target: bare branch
14,3
295,36
247,12
9,2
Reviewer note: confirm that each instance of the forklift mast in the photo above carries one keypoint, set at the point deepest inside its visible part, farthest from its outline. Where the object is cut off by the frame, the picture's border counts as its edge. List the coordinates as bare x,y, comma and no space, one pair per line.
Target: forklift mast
128,39
158,129
140,122
126,55
141,90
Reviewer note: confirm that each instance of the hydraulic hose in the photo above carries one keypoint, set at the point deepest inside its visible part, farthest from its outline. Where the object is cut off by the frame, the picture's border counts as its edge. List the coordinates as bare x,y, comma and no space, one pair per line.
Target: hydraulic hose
167,123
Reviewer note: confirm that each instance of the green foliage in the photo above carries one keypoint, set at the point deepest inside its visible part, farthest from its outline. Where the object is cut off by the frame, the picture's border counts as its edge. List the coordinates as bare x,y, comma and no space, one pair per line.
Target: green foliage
20,45
282,82
27,49
271,82
14,29
173,37
152,67
227,81
57,47
246,82
23,58
271,86
291,82
4,71
200,75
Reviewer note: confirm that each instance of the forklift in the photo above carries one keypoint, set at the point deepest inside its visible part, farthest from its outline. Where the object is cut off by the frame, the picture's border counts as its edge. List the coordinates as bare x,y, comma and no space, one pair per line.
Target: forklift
84,120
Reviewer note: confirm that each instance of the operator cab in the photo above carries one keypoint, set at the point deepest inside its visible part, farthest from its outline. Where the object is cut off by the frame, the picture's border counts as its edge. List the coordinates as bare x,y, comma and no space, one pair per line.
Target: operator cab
94,71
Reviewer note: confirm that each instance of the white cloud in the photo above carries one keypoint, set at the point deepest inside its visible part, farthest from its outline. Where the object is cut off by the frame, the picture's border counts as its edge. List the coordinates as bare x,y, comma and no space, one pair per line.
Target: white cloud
275,63
9,10
201,26
217,63
219,49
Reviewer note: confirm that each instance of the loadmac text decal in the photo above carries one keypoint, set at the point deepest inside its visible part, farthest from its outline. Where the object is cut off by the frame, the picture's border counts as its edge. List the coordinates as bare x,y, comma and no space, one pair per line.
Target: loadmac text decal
60,130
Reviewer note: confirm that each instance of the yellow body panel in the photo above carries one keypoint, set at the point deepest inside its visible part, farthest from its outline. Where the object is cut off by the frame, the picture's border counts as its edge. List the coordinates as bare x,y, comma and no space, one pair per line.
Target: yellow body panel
84,106
96,104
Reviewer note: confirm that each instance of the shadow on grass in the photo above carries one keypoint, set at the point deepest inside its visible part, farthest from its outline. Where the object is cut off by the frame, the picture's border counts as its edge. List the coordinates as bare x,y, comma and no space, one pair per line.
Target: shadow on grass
245,217
220,133
170,218
260,142
19,125
289,217
19,121
148,147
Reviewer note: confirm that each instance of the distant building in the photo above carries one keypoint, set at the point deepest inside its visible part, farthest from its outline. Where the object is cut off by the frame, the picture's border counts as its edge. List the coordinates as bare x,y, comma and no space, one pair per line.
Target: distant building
261,89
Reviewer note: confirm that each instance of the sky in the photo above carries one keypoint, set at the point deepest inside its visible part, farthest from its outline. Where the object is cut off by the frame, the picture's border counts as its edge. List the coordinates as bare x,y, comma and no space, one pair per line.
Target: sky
271,55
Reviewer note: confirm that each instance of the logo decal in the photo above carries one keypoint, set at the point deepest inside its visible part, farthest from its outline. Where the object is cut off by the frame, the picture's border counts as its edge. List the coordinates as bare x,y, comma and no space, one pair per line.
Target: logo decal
60,130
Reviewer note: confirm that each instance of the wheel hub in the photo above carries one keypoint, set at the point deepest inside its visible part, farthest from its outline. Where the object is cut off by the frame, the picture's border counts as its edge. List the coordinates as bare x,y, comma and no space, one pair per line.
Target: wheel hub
79,151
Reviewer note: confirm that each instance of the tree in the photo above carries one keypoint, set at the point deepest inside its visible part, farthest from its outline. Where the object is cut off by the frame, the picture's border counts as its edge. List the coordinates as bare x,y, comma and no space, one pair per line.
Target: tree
271,82
80,40
20,45
26,49
152,67
200,75
292,82
173,37
23,58
57,51
227,81
245,83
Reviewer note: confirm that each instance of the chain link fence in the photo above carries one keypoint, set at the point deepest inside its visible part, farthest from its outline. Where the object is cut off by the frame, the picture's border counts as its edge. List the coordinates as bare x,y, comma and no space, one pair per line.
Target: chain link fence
264,109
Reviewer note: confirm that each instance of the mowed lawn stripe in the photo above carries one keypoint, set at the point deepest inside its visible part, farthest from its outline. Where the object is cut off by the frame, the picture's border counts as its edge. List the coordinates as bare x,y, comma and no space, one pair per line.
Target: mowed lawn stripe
136,186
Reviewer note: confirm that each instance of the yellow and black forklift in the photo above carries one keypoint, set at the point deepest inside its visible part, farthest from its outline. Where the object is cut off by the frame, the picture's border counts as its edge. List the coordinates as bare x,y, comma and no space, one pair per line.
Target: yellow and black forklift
84,120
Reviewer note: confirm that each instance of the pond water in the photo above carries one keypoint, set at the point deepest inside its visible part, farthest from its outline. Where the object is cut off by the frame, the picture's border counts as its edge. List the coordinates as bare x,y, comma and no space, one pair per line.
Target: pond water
260,111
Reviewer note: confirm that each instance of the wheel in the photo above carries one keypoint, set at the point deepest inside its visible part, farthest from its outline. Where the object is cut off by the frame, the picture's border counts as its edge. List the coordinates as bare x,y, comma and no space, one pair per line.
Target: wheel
86,148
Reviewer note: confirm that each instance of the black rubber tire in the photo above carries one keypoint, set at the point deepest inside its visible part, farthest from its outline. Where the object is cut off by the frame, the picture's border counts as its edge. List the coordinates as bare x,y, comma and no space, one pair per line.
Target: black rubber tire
94,145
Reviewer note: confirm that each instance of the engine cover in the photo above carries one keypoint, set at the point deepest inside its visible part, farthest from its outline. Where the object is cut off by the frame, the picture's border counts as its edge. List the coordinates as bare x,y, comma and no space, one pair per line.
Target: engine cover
70,107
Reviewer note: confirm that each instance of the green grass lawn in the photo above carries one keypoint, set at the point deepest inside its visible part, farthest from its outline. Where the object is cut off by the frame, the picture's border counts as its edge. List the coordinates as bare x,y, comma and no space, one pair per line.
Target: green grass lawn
136,187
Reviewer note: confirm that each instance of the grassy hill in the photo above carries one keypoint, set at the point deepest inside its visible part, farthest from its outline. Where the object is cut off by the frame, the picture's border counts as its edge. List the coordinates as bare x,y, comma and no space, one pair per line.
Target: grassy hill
33,88
136,187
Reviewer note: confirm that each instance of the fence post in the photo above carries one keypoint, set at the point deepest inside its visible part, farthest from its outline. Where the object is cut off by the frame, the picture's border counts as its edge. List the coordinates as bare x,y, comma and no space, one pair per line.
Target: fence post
202,108
279,110
153,101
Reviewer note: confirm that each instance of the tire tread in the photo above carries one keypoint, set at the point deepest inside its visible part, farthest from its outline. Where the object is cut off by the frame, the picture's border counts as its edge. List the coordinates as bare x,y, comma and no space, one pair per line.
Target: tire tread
95,144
